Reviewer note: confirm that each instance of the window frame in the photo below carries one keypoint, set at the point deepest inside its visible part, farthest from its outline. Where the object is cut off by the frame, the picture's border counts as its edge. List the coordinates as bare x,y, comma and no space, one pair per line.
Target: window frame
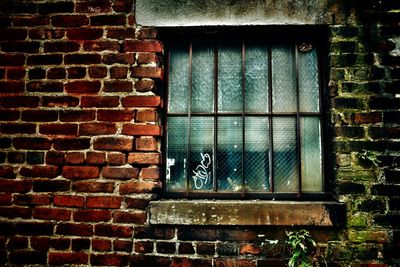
317,35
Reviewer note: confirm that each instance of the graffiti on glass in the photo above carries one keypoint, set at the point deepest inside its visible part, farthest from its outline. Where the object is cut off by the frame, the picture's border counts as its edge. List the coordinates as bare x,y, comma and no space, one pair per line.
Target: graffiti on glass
202,175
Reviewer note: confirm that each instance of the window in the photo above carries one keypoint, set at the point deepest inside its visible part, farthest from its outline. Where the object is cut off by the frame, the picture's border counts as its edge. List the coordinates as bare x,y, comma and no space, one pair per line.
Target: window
244,117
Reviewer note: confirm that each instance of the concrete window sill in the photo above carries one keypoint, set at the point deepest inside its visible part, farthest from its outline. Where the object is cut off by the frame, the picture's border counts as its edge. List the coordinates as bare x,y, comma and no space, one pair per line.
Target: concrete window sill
238,212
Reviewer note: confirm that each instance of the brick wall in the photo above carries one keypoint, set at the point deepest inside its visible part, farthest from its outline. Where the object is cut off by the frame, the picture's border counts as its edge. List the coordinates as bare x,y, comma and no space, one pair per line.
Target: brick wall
81,87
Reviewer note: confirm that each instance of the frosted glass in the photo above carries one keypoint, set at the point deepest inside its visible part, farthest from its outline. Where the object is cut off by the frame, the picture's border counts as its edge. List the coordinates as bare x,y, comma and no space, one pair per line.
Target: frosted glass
201,153
308,81
178,82
230,78
230,153
285,155
283,81
256,161
311,160
177,140
256,78
202,78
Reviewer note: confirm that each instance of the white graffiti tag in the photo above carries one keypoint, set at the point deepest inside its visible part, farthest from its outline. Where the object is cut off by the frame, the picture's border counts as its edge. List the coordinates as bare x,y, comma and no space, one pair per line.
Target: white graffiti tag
201,175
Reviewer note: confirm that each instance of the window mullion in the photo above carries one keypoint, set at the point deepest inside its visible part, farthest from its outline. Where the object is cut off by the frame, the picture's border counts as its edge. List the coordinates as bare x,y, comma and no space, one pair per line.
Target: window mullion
298,138
271,139
243,115
215,182
189,121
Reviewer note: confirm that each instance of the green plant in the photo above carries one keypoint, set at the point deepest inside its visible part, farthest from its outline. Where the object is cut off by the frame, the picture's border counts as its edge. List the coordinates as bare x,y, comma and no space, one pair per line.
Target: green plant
370,156
303,249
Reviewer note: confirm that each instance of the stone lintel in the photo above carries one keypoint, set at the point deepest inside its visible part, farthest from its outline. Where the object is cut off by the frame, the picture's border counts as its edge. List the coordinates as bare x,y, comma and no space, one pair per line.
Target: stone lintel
239,212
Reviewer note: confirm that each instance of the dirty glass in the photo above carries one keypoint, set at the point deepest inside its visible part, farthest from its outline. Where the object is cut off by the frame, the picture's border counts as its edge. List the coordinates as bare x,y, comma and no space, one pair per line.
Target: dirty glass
179,79
177,140
308,81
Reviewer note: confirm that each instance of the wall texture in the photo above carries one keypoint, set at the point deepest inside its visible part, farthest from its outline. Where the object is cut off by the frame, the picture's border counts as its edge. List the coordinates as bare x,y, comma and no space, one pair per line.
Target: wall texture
81,99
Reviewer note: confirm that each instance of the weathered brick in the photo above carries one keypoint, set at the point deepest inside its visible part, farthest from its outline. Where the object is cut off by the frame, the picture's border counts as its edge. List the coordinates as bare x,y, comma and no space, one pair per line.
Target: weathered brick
11,87
205,248
122,6
118,86
84,34
137,203
80,244
51,214
56,73
97,128
116,158
143,46
59,129
93,187
60,243
34,228
55,7
95,158
123,245
147,33
91,215
74,229
101,245
144,158
54,157
80,172
93,6
76,72
27,257
53,59
21,21
105,202
97,72
139,129
14,128
82,59
12,34
201,235
370,117
9,115
69,20
40,171
60,101
141,101
51,185
119,58
16,73
77,115
15,212
35,73
7,172
35,143
146,115
146,58
39,115
40,243
113,230
17,242
150,173
146,144
109,259
113,143
120,173
71,143
68,258
12,59
31,199
137,217
118,72
82,87
51,87
147,72
5,199
144,246
138,187
101,46
20,101
115,115
100,20
165,247
68,201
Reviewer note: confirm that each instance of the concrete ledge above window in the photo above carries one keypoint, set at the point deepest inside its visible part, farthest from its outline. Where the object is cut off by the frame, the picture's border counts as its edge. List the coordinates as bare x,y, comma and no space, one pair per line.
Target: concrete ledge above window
257,212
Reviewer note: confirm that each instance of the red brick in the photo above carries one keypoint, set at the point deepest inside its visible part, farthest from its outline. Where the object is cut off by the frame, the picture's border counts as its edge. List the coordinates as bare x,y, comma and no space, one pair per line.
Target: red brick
15,212
138,187
76,73
60,101
147,33
9,115
146,144
84,34
150,173
69,20
74,229
82,59
116,158
225,262
109,259
138,129
122,6
115,115
31,199
113,143
14,128
118,86
77,115
40,171
21,46
51,185
137,217
53,59
146,58
11,34
47,8
101,46
113,230
82,87
12,87
60,243
120,173
119,73
97,128
20,101
110,59
74,157
7,172
51,214
141,101
97,72
147,72
71,143
59,129
40,243
101,20
144,246
143,46
39,115
30,21
55,157
35,143
5,199
27,257
68,201
67,258
43,33
93,187
61,46
101,245
123,245
137,203
16,73
371,117
93,6
12,60
121,33
45,87
17,242
56,73
103,202
95,157
91,215
80,172
249,249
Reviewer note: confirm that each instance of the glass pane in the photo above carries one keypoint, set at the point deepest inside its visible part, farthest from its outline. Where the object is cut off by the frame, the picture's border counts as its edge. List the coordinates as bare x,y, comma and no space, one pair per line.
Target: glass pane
308,81
256,78
283,81
201,153
285,155
230,78
311,161
177,141
178,86
230,153
256,161
202,78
